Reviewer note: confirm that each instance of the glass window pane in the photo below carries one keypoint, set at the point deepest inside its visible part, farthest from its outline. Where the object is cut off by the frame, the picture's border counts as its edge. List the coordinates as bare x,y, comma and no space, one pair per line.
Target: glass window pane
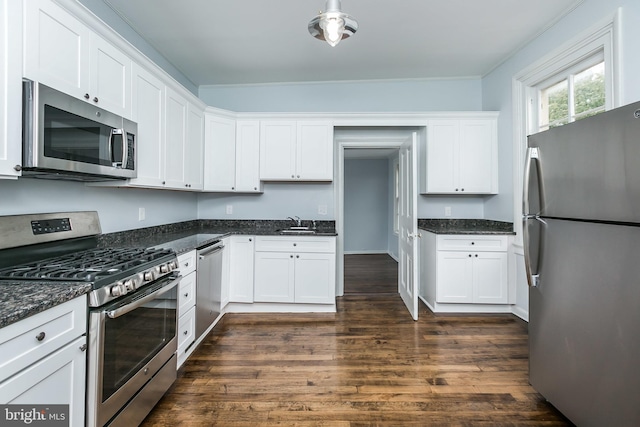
554,105
589,91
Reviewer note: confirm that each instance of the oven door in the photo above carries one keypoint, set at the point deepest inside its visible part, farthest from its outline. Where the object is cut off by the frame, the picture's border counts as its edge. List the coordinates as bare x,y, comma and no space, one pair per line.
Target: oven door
130,341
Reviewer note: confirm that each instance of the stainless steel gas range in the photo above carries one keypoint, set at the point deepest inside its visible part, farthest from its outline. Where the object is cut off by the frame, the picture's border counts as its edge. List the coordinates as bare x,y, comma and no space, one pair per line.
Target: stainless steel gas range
132,307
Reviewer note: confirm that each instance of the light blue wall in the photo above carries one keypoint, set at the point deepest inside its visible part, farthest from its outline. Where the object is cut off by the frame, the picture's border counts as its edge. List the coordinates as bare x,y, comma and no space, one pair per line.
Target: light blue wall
362,96
278,201
117,207
366,205
104,12
497,86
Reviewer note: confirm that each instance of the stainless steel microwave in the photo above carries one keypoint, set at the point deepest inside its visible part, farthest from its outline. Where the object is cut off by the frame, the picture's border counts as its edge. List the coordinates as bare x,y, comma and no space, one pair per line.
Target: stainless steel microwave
69,138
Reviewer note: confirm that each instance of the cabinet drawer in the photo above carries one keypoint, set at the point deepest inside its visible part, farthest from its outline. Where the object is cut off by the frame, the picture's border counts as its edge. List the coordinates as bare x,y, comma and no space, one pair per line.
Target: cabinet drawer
186,332
466,242
295,244
187,263
186,293
29,340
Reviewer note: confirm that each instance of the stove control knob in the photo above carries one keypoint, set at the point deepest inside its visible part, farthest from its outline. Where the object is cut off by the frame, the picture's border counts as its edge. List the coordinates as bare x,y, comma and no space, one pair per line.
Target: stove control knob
149,276
129,285
164,268
118,290
173,265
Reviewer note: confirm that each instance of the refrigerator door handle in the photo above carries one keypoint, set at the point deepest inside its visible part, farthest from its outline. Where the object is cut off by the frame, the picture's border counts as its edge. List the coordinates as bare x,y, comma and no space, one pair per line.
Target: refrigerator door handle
533,277
532,155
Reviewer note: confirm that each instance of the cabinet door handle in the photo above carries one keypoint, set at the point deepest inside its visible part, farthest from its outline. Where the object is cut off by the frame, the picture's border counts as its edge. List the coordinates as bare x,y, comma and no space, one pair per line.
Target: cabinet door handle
290,256
297,256
41,336
476,255
185,332
95,99
186,295
250,240
83,347
86,96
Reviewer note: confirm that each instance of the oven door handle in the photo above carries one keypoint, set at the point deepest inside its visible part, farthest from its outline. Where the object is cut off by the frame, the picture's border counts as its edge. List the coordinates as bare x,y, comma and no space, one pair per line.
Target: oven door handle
114,314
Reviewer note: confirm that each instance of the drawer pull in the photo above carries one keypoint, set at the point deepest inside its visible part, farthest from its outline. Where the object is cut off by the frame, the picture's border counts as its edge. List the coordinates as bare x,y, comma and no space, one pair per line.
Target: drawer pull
473,243
40,336
469,255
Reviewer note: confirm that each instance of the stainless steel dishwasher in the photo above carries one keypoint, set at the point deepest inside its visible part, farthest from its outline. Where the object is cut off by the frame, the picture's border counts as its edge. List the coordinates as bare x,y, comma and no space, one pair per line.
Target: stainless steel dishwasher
208,285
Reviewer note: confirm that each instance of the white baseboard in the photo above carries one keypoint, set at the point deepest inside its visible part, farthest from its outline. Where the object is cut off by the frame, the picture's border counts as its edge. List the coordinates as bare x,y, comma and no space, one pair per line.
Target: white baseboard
369,252
267,307
521,313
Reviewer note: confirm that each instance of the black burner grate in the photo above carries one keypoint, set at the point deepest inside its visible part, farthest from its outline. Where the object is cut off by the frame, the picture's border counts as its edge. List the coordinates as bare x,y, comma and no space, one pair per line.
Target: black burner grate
87,266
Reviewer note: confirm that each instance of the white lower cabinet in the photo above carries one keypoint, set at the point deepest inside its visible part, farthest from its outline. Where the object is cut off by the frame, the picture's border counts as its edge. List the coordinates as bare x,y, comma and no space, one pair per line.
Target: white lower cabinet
241,268
295,269
43,359
464,269
186,305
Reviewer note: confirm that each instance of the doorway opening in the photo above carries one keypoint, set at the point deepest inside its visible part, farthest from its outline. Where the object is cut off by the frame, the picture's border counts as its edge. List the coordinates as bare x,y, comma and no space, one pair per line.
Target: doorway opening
368,142
370,227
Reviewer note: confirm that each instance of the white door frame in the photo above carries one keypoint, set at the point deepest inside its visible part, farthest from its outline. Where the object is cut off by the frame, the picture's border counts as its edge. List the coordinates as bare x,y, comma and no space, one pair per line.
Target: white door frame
367,139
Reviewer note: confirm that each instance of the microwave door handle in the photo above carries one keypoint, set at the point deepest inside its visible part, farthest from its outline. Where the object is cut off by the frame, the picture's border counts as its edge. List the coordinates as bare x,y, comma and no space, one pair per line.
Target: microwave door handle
124,146
125,151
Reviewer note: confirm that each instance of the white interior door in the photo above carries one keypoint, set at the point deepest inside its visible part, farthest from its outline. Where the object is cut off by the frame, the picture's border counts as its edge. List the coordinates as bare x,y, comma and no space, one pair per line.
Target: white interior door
408,268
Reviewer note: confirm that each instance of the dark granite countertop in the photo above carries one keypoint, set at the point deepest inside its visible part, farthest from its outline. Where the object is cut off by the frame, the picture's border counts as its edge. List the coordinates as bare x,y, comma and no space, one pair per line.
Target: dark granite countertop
21,299
184,237
465,226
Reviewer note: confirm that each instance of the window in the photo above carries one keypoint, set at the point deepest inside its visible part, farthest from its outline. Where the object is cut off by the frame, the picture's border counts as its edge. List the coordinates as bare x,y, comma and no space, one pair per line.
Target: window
576,80
577,95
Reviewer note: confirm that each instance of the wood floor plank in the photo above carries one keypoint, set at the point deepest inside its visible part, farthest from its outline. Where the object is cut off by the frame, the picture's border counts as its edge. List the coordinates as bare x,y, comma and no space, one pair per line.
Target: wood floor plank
367,365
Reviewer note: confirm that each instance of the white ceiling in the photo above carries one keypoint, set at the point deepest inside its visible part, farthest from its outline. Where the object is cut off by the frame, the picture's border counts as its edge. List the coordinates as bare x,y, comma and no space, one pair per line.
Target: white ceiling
260,41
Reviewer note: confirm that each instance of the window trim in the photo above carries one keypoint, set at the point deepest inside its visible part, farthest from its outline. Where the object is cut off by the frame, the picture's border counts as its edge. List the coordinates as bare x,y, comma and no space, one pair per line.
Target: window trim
600,37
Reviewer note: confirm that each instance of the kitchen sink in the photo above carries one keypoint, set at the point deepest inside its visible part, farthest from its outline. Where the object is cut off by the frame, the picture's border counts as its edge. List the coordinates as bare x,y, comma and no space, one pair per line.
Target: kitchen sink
296,230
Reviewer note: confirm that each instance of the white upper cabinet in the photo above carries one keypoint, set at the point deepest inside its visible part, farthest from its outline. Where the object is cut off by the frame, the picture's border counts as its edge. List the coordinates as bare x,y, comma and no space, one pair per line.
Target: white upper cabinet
296,150
10,88
277,150
232,155
148,112
184,135
460,156
63,53
175,127
219,153
248,156
314,151
194,148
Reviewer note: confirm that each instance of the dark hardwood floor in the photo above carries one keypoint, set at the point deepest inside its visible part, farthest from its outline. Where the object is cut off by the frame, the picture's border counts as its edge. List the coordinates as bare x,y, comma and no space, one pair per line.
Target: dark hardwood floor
370,274
368,364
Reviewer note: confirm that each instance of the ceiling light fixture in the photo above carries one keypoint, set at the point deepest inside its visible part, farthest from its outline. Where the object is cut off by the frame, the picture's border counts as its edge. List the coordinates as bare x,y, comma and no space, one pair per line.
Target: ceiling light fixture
332,25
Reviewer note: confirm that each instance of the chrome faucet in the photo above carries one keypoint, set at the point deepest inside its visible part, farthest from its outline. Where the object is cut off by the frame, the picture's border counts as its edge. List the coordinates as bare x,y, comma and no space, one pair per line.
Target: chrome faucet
297,221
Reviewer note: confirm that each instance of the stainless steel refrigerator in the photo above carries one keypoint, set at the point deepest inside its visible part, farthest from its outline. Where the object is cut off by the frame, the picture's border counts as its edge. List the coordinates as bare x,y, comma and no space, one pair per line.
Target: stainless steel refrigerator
582,255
